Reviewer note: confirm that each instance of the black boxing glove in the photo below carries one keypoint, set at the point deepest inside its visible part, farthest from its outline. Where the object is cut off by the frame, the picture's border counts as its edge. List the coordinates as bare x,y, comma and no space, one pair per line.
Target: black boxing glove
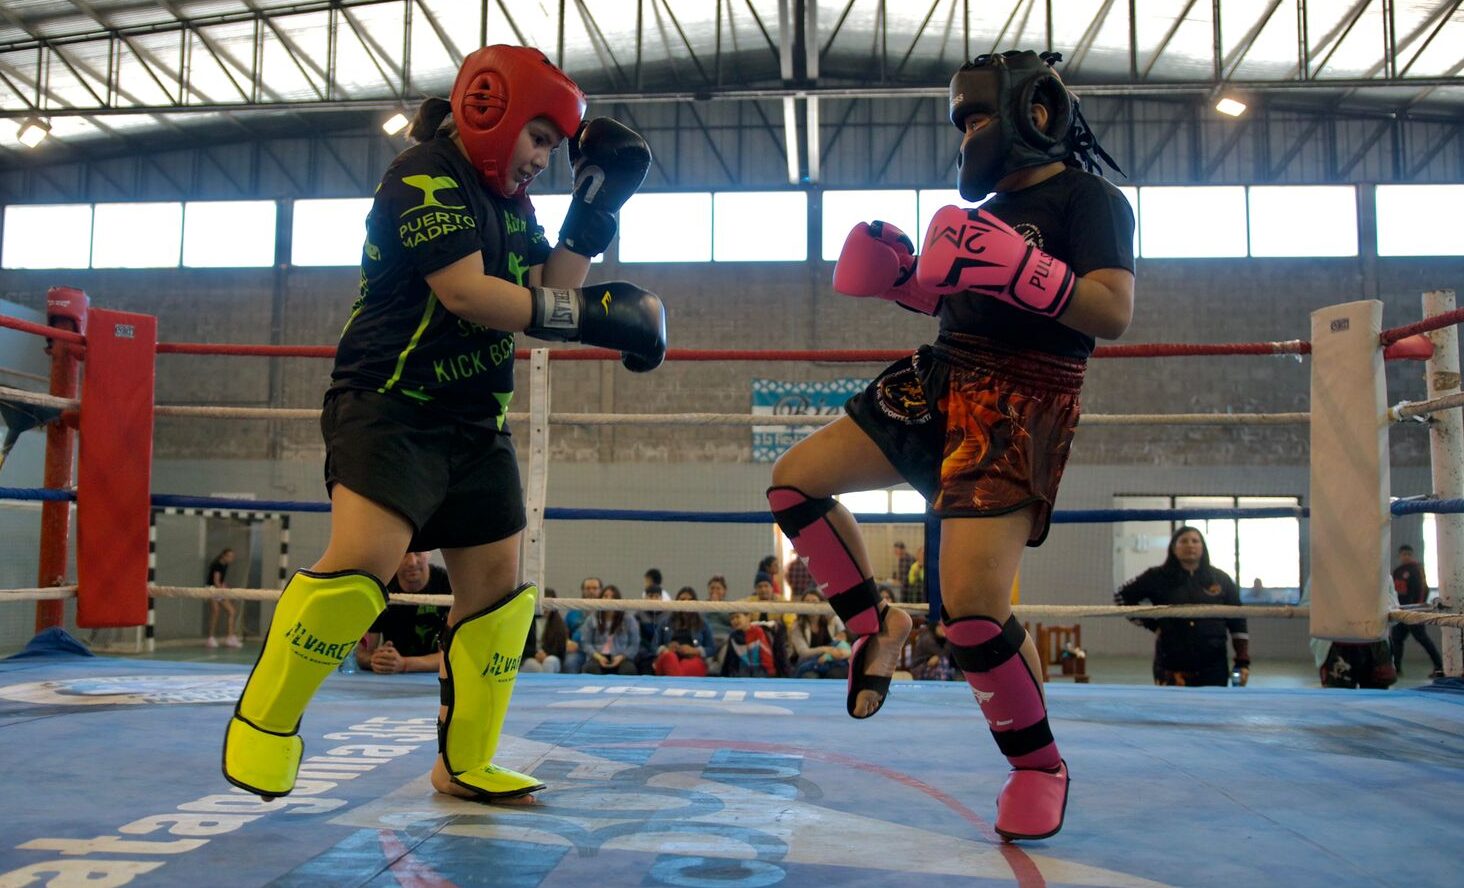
610,161
616,315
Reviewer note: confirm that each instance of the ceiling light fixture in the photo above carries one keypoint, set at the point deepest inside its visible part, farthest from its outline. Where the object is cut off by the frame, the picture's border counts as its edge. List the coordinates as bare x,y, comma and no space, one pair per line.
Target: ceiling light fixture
1230,106
395,123
33,131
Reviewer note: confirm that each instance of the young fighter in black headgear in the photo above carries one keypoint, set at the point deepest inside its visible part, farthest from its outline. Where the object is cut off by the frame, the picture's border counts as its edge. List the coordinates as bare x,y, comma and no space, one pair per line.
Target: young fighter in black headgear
980,421
417,454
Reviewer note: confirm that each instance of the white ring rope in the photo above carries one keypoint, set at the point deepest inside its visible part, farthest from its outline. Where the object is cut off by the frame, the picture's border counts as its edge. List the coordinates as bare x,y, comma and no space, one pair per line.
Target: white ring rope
30,377
1043,611
1405,410
46,593
1040,611
21,396
746,419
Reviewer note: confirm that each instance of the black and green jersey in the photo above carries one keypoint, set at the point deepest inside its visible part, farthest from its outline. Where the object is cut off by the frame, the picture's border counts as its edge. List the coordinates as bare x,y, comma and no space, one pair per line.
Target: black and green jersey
429,212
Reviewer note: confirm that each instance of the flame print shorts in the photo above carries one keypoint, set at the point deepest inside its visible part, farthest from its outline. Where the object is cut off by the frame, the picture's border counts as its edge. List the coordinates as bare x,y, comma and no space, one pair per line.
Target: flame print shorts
979,428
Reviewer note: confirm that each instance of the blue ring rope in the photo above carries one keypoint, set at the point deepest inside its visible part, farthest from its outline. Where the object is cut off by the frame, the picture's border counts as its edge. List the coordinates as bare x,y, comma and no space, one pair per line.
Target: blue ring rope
1066,516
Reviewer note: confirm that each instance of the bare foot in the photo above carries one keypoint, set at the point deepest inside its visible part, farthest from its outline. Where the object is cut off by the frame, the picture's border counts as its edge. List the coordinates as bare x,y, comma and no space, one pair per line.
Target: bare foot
442,782
882,657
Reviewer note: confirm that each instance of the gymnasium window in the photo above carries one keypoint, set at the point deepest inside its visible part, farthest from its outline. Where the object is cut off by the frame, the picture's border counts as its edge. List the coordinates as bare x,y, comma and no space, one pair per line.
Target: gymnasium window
1193,222
1264,549
1431,552
1418,220
667,228
329,232
1329,211
229,234
842,210
49,236
760,226
932,200
136,235
878,536
1131,194
549,212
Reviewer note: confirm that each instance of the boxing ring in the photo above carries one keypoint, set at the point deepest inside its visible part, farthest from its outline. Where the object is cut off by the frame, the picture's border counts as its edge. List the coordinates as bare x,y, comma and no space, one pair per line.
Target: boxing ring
113,763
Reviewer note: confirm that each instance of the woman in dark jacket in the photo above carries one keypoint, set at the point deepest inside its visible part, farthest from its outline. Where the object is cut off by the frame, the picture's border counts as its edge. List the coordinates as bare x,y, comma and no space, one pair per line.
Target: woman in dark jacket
1190,652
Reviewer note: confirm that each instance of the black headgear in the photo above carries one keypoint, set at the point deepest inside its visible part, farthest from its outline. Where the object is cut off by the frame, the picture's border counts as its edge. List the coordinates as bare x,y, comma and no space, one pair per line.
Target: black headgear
1005,86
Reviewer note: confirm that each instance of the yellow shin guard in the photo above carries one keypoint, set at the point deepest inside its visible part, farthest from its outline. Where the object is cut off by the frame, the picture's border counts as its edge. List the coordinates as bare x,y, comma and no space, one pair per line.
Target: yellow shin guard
317,622
481,655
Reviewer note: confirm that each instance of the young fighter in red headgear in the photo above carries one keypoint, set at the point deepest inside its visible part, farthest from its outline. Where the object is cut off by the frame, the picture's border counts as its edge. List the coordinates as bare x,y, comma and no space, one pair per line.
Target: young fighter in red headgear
981,421
417,453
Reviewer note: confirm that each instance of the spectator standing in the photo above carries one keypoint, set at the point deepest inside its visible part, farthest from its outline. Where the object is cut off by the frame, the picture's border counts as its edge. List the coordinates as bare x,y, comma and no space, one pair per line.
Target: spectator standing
799,579
901,575
1190,652
1412,587
218,577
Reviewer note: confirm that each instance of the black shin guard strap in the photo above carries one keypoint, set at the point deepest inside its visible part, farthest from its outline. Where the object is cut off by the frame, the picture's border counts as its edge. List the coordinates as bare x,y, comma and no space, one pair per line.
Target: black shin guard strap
1023,740
988,655
793,519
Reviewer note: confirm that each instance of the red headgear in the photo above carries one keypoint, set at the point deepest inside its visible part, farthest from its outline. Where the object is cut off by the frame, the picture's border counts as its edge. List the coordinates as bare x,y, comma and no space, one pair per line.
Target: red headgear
498,90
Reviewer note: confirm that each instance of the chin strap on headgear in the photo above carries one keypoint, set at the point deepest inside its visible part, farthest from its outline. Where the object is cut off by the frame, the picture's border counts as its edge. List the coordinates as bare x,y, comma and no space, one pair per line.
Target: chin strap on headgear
498,90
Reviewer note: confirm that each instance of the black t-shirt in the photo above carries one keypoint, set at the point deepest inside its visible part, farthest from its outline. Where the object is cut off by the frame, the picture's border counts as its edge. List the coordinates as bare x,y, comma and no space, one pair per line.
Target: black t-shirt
429,212
415,630
1076,216
1187,644
1408,580
218,568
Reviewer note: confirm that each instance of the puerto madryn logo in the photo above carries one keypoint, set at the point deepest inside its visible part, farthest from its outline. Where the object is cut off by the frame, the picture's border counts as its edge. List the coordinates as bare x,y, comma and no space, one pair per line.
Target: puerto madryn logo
126,690
429,186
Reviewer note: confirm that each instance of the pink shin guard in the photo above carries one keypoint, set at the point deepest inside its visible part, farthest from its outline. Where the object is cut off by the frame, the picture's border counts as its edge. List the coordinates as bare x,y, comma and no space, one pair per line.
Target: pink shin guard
1032,803
804,521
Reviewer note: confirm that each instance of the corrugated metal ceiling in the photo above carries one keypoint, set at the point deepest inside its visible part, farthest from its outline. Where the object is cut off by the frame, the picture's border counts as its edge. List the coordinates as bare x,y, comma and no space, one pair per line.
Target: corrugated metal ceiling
85,64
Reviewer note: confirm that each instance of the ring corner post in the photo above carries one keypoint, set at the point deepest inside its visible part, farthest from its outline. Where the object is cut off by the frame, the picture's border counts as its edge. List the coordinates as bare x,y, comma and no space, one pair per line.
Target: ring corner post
114,474
1446,458
1349,532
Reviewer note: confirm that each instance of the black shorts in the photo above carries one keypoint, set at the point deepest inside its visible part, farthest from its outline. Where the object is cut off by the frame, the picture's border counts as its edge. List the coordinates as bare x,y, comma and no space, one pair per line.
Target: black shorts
458,484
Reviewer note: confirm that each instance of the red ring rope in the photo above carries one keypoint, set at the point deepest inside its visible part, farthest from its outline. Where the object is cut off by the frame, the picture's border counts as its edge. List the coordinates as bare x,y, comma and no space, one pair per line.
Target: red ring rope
1140,350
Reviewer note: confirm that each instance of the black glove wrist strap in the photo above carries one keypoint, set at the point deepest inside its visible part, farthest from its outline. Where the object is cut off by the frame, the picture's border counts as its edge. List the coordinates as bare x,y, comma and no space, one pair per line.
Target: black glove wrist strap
587,230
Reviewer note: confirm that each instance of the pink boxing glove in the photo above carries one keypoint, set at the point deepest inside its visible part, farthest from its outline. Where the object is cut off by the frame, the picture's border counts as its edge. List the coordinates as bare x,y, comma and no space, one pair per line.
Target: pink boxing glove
878,260
970,249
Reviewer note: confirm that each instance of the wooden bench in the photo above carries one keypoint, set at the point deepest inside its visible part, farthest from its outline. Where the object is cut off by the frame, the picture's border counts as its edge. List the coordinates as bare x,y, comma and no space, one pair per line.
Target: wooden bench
1061,647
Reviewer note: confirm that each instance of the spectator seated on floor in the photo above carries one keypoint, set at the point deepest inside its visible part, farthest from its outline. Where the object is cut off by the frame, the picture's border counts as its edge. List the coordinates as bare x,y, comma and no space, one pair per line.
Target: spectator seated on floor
820,643
407,638
749,652
683,641
574,657
930,660
610,640
718,622
549,653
